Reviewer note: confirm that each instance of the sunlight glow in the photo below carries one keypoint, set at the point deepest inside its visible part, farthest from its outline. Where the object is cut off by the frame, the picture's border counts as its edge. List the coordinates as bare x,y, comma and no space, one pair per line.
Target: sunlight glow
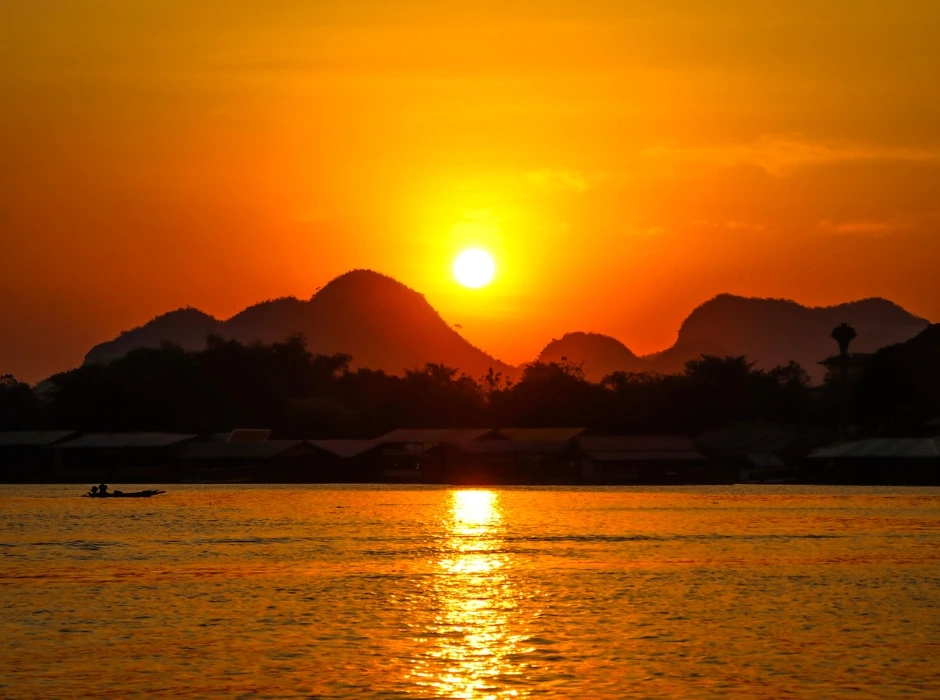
474,268
474,509
477,641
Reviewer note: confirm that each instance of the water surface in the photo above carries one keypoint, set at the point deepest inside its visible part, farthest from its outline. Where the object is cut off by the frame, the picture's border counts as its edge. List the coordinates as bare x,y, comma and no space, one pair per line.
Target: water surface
384,592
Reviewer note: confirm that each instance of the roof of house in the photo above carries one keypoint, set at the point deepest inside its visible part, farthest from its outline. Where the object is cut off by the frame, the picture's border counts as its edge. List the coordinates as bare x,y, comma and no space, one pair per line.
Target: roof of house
766,461
241,450
645,455
541,434
249,435
623,448
34,438
346,449
125,440
882,448
404,436
513,446
761,438
635,443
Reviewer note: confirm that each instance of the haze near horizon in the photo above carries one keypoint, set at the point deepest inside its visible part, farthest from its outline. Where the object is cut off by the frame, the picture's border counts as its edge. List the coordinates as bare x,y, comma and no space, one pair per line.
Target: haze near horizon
621,162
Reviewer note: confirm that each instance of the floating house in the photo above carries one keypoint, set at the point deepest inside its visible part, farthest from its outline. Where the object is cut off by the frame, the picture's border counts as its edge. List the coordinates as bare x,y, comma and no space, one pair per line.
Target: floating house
507,462
760,452
541,434
644,459
347,461
769,453
24,456
249,435
881,461
280,461
129,457
410,455
249,461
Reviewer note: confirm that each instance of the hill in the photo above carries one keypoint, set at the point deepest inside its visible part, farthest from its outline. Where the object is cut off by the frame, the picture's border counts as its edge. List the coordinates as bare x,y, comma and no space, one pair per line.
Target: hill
598,355
186,327
772,332
769,332
380,322
672,360
385,325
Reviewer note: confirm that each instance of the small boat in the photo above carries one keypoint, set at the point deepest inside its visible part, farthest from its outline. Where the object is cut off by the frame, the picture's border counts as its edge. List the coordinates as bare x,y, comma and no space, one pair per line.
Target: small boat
120,494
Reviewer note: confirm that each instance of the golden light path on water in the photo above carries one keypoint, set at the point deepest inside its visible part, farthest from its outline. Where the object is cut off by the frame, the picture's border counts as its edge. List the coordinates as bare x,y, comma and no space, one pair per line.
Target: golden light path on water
477,642
383,592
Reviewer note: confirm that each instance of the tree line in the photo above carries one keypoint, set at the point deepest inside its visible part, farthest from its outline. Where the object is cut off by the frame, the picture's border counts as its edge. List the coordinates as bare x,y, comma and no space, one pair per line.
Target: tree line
299,394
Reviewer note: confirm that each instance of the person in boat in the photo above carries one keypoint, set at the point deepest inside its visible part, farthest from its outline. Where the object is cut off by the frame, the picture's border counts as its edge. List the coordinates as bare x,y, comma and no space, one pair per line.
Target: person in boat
94,491
102,489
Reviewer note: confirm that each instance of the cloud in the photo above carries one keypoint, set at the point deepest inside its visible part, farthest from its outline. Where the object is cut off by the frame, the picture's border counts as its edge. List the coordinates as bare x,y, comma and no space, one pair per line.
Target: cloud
559,180
733,225
783,155
873,228
639,230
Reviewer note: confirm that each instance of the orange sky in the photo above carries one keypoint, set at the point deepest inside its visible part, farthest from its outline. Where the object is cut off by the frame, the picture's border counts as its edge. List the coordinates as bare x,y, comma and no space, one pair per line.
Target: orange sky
623,160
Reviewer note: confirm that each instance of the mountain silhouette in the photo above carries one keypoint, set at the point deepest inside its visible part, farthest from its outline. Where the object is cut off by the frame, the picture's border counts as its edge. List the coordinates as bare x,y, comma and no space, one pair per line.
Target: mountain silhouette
769,332
597,354
187,327
385,325
672,360
380,322
772,332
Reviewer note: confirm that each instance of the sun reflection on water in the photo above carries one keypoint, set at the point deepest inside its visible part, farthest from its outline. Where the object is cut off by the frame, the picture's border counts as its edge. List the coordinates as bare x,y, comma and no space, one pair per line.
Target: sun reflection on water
475,640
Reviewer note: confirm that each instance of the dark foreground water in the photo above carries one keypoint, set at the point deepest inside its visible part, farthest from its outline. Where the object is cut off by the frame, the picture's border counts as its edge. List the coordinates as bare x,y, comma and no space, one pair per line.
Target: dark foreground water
326,592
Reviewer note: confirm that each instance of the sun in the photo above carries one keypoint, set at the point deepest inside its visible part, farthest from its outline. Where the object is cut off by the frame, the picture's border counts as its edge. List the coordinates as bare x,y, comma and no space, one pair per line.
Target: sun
474,268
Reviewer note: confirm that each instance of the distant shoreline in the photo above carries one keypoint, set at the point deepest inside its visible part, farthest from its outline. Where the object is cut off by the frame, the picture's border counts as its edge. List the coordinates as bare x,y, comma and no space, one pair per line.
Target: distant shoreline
480,484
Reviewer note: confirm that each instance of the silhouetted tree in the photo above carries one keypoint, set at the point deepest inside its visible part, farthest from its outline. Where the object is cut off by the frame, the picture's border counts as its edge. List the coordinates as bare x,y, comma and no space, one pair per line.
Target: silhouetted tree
18,404
898,389
639,402
302,395
549,394
439,396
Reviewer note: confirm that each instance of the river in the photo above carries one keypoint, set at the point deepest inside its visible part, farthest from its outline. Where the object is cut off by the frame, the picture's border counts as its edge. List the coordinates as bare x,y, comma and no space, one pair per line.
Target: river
412,592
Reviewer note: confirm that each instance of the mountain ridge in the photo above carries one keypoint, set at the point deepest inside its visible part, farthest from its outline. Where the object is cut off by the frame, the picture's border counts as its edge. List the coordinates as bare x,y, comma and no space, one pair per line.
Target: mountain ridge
768,331
383,324
378,321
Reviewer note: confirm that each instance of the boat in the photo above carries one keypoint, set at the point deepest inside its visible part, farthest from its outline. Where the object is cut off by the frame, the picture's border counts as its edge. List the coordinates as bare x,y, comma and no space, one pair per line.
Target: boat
120,494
